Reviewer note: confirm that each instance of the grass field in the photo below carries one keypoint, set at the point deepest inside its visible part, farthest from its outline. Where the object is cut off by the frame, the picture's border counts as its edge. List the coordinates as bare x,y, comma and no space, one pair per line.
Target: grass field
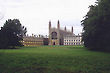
53,59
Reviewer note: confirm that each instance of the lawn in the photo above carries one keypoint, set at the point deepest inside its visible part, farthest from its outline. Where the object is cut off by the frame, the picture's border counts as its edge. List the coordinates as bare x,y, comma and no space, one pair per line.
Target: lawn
53,59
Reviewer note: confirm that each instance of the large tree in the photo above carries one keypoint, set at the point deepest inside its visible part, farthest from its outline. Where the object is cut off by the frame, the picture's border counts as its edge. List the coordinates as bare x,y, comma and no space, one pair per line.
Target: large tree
11,34
96,26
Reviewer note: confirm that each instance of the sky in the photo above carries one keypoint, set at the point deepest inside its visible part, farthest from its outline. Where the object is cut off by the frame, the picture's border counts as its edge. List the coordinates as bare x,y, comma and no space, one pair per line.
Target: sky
36,14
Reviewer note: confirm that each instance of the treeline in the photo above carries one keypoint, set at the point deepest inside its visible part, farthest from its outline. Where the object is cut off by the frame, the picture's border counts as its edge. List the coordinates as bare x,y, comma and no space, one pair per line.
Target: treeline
96,26
11,34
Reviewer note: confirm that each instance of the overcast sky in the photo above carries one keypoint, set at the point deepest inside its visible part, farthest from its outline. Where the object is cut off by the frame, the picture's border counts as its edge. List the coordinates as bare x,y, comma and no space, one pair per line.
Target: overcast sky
35,14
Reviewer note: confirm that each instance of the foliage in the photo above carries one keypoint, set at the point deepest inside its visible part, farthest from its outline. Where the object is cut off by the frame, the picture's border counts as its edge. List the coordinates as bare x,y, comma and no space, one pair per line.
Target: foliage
11,34
96,26
53,59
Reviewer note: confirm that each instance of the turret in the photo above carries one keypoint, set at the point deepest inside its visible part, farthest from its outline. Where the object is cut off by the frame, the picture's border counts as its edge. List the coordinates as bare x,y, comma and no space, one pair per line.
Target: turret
58,25
49,24
65,28
72,29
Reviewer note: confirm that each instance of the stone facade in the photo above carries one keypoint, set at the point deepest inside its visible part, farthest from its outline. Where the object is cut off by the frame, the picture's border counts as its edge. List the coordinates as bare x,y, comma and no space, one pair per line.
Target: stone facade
56,35
73,40
34,41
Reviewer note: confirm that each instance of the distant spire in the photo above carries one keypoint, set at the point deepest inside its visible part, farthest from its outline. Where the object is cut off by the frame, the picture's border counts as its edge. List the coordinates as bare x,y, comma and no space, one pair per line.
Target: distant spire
72,29
65,28
49,24
58,24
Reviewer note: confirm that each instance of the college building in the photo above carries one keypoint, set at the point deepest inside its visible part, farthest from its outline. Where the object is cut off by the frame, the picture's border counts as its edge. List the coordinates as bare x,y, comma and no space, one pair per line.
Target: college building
34,40
73,40
58,36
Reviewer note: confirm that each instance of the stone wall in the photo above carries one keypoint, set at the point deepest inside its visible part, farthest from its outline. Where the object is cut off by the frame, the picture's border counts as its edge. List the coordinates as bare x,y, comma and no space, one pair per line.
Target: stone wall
34,41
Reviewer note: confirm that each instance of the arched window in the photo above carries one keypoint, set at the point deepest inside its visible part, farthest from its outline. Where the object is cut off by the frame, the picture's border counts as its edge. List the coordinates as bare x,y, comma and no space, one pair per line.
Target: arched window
54,35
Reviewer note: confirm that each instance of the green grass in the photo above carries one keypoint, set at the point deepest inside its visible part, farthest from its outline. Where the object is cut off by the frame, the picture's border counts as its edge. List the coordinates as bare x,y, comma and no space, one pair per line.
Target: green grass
53,59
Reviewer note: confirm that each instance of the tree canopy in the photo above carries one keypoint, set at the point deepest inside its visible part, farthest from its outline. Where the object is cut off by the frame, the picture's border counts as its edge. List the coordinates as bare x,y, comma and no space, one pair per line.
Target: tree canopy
11,34
96,26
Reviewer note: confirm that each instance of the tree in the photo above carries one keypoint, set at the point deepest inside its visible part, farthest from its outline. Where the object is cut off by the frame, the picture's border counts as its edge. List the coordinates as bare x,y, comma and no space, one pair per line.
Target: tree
96,26
11,34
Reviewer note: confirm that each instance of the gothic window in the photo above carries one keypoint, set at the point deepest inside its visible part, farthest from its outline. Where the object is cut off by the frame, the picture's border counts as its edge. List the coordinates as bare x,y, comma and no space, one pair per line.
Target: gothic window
54,35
